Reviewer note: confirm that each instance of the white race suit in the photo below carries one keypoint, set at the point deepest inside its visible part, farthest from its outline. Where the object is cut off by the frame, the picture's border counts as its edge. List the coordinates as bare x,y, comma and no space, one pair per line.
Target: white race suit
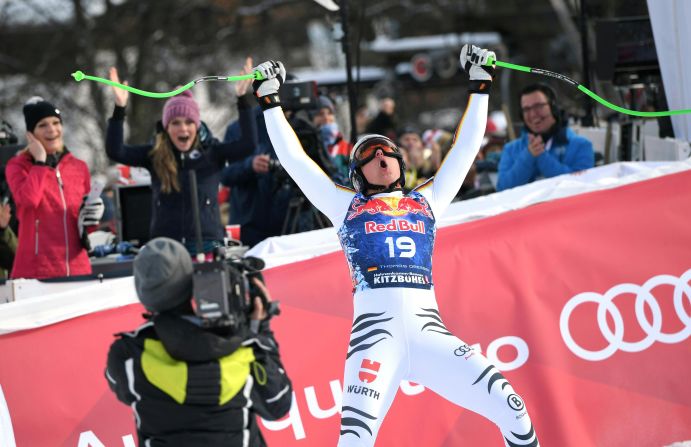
397,332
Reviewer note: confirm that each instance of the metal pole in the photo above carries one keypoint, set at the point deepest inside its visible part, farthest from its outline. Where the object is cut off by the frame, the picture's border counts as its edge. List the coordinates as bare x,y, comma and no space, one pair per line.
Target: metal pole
588,119
197,218
345,45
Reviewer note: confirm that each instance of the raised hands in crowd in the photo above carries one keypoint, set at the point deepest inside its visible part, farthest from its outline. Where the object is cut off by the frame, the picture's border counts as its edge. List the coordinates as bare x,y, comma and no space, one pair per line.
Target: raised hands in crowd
121,95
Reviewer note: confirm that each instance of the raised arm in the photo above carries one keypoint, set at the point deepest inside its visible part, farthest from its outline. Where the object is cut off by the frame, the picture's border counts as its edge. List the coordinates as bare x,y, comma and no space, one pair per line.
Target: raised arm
238,149
331,199
27,181
444,186
116,148
243,146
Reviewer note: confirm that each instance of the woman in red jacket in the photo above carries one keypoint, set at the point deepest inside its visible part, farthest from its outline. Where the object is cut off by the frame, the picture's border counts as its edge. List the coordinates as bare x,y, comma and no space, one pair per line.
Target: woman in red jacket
49,186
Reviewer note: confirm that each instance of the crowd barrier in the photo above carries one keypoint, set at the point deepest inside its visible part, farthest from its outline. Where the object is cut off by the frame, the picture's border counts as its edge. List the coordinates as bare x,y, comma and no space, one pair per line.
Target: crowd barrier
583,302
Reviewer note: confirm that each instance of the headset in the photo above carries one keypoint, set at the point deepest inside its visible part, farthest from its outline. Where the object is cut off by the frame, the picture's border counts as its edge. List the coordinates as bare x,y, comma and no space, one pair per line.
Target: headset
551,98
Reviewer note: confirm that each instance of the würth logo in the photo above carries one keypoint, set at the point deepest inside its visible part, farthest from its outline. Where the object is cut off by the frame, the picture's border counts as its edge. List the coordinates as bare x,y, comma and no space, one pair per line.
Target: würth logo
369,370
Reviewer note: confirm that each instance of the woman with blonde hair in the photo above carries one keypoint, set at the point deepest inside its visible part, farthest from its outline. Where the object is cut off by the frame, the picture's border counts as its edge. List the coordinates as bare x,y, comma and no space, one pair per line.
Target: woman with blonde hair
49,186
182,144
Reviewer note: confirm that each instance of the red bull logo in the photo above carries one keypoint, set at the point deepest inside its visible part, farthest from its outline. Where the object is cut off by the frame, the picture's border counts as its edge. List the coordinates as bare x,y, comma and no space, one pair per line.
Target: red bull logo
371,206
390,206
412,206
395,225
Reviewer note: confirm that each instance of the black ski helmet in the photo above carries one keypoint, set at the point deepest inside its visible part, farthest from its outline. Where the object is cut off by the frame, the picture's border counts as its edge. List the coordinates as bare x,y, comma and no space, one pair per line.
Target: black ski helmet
357,179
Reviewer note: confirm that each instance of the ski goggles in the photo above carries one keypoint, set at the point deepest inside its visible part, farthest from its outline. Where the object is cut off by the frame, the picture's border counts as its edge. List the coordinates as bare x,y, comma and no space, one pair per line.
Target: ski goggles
369,150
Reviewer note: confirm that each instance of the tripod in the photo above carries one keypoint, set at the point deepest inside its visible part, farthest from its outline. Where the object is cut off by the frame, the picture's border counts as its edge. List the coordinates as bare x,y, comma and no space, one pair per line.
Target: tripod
301,211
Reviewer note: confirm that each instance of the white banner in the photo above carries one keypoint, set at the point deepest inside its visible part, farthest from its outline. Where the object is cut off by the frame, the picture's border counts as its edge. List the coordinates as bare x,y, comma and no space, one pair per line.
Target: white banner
670,21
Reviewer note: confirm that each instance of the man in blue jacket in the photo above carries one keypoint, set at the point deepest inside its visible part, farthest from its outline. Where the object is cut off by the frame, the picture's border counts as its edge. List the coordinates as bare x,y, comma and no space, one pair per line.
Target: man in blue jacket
546,147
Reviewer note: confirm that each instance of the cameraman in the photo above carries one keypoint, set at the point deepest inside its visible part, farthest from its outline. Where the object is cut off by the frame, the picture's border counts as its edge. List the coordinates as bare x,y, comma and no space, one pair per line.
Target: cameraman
189,385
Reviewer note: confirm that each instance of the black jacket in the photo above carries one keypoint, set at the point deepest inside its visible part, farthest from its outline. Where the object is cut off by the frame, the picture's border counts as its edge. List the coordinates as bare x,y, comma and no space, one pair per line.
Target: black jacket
8,247
172,214
190,387
258,202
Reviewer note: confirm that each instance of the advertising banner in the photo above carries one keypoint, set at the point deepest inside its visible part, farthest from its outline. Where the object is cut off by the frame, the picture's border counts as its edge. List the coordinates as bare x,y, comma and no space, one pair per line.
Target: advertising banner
583,303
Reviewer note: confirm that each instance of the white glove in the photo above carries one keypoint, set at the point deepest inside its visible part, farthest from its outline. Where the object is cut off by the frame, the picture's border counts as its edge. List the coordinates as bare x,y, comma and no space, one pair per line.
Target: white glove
274,74
90,214
474,61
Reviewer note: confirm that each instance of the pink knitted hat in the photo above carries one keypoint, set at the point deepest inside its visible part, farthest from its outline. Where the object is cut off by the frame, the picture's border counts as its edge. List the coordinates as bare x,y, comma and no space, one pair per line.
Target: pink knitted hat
182,105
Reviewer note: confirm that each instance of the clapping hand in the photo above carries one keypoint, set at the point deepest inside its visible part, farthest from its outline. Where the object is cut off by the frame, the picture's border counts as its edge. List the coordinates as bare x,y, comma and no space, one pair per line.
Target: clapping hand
535,144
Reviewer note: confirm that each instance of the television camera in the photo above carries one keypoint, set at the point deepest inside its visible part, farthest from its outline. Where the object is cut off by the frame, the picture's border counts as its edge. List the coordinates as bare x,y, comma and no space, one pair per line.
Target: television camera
7,135
224,291
224,288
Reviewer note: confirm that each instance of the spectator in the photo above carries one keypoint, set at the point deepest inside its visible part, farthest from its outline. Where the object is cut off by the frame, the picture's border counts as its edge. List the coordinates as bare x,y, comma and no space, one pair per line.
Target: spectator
486,166
264,200
546,147
490,154
195,383
8,241
440,143
262,193
385,121
49,186
182,144
362,120
336,146
439,137
259,192
421,162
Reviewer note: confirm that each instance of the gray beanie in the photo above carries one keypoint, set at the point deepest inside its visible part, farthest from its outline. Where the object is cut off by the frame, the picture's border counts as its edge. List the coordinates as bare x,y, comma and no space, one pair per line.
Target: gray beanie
323,102
163,274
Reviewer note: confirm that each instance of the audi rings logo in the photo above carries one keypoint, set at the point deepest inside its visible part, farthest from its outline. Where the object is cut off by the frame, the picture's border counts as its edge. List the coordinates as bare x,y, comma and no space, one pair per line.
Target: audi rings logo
462,350
644,298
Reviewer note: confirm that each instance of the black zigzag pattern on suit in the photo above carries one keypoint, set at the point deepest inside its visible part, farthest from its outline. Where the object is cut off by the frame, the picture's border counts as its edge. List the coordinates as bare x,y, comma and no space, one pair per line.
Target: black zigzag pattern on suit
354,420
496,377
526,437
365,334
434,324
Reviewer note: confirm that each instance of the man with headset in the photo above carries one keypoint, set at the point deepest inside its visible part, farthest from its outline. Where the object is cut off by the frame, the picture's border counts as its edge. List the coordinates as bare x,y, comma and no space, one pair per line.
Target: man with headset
546,147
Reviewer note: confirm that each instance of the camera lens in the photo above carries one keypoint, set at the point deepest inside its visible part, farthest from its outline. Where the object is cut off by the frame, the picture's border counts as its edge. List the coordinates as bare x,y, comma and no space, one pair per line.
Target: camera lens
274,165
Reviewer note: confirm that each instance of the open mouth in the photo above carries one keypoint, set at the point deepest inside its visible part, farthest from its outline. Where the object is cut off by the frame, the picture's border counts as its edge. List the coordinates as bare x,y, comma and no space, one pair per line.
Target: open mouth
382,164
183,139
